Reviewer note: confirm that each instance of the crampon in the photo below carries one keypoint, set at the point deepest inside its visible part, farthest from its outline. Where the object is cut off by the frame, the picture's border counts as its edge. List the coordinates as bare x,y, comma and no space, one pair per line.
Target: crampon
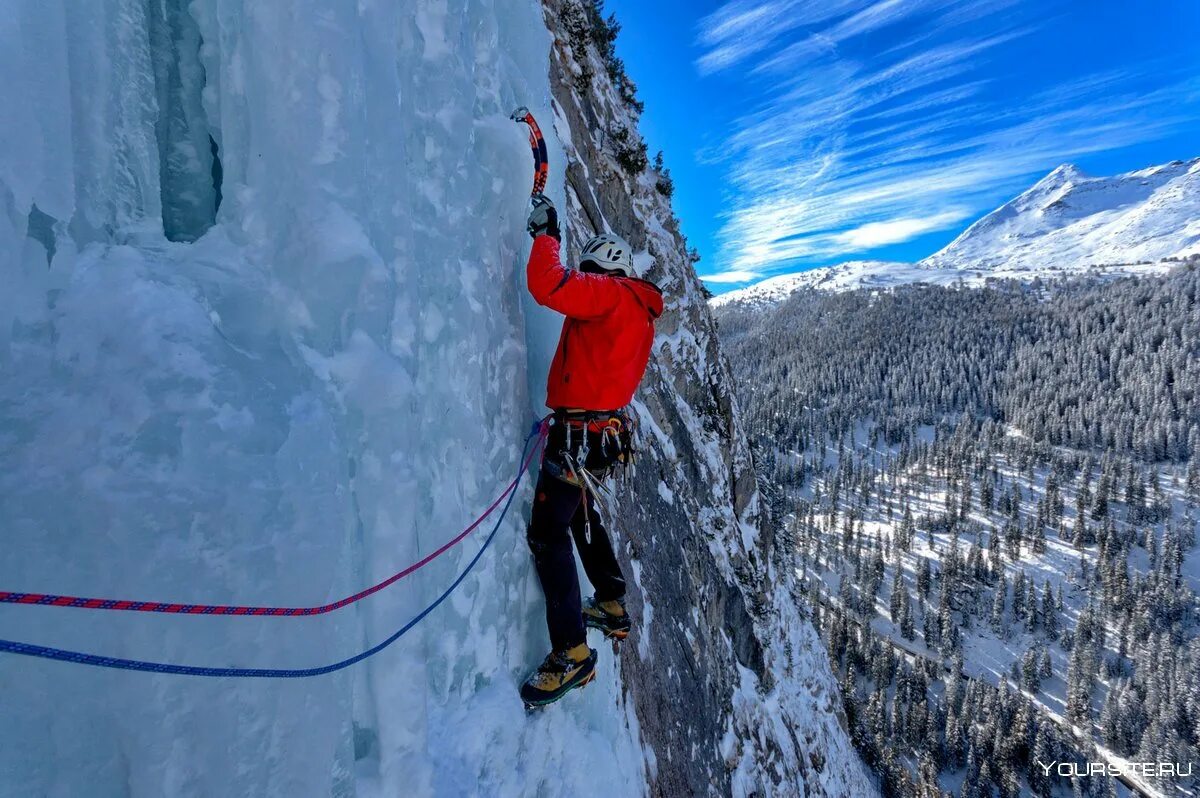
615,627
555,677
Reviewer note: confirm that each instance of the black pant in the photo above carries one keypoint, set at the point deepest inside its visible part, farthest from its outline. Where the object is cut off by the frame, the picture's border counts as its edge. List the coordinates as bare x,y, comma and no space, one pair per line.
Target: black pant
557,508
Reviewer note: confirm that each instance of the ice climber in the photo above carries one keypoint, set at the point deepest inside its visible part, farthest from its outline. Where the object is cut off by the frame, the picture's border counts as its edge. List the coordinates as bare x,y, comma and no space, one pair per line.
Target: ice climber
602,354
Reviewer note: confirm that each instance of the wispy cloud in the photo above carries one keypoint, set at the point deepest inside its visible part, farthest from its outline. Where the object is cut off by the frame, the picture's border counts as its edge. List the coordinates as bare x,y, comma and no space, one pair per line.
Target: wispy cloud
877,234
743,28
733,276
847,148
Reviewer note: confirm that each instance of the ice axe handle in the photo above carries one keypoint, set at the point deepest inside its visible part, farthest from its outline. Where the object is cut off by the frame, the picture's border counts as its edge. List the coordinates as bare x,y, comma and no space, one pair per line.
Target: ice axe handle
537,144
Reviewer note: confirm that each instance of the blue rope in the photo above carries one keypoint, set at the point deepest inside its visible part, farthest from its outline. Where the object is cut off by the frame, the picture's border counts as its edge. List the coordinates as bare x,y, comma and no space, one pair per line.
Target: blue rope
81,658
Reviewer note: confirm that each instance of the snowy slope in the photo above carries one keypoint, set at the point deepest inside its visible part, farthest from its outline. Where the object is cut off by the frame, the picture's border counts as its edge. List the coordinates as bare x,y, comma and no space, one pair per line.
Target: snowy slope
843,277
1065,224
1068,221
291,396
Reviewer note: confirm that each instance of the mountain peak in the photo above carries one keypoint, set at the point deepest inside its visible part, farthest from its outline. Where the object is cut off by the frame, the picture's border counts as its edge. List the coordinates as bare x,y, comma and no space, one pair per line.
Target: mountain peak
1064,173
1067,223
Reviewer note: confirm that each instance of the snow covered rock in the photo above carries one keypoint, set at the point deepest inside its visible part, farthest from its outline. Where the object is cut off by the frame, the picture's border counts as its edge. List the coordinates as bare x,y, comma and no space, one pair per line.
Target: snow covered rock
264,339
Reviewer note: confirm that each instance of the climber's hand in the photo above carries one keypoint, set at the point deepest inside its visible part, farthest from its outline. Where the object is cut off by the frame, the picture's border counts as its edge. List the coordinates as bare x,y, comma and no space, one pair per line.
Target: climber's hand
543,219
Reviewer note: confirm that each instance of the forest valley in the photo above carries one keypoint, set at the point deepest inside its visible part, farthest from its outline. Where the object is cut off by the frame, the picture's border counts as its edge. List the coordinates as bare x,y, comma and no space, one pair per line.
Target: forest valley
992,494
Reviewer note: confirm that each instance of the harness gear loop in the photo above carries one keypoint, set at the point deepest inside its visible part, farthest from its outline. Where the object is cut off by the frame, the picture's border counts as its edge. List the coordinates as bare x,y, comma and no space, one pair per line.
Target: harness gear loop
580,460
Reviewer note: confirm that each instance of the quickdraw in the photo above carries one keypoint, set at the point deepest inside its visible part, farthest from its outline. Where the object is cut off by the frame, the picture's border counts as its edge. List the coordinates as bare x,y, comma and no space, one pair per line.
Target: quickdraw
541,162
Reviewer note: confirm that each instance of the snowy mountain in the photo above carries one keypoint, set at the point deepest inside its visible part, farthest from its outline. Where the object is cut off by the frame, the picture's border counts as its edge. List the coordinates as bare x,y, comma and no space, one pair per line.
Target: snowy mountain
843,277
264,339
1067,223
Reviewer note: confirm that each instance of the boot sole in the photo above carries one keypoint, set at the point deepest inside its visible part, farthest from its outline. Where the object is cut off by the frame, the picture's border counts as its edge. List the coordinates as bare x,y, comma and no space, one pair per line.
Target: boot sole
584,682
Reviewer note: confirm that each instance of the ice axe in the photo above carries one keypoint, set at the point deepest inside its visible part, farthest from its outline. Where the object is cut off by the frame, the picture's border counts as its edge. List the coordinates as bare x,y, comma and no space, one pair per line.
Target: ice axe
541,163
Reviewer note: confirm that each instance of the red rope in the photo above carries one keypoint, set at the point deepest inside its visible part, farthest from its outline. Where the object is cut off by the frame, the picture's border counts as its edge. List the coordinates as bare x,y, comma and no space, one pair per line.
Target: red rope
80,602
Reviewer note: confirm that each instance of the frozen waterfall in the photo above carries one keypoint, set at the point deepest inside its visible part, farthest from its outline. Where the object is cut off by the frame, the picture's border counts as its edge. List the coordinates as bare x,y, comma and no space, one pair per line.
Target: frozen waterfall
264,339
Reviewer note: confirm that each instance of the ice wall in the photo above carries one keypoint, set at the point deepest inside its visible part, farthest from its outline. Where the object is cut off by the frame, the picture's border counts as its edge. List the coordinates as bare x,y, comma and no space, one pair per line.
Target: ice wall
190,172
327,383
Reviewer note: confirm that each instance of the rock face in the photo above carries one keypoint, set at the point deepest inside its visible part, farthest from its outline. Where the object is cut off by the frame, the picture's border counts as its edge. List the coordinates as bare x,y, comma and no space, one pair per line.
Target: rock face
730,685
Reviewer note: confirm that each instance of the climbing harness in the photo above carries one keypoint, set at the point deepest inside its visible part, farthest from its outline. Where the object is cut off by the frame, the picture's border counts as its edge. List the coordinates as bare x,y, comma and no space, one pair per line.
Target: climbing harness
583,448
541,162
537,436
592,441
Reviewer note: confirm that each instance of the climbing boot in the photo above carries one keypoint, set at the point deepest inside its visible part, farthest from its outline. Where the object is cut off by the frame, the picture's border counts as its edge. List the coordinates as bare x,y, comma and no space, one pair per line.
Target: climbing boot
560,673
609,617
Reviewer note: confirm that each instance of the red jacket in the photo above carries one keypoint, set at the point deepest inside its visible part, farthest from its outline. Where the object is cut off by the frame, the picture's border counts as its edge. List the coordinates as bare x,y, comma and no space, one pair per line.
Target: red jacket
606,339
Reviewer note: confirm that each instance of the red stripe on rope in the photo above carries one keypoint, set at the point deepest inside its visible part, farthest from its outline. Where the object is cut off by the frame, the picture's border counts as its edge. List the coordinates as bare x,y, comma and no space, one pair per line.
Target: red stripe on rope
79,602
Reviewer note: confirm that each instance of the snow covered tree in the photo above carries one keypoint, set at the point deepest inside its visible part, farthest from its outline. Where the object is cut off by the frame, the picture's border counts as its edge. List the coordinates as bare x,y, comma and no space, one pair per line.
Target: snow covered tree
997,615
1049,613
896,600
1030,674
1079,686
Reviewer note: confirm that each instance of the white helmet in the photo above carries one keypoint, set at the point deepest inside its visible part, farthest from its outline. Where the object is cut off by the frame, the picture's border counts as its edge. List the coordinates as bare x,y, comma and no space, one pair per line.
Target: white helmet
609,252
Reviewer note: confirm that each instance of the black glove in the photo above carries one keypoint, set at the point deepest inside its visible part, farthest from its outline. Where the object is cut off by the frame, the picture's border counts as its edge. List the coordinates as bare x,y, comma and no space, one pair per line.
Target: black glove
543,219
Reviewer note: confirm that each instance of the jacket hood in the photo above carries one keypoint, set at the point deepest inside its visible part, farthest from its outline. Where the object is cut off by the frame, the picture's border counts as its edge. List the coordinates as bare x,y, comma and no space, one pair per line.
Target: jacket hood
649,294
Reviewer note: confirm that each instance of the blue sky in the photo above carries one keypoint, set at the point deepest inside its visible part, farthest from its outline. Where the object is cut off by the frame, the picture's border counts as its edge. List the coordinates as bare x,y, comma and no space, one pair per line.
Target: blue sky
803,133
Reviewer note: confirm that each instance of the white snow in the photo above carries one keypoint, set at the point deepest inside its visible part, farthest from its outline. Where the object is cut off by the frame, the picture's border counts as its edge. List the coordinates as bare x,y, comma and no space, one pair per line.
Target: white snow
843,277
330,382
988,656
1067,223
643,638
